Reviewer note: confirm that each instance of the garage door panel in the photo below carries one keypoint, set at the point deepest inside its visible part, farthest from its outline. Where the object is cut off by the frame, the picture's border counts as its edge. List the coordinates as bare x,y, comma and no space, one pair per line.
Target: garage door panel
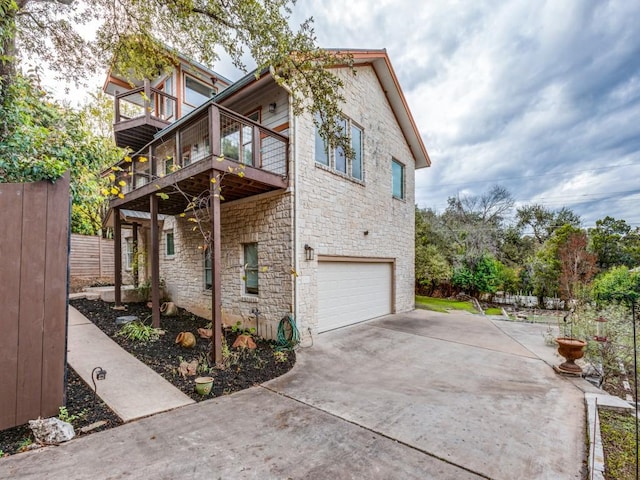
351,292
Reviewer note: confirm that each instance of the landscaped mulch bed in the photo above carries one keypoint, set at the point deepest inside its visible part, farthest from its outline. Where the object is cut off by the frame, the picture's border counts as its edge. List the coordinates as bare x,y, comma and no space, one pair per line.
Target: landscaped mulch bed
80,402
248,367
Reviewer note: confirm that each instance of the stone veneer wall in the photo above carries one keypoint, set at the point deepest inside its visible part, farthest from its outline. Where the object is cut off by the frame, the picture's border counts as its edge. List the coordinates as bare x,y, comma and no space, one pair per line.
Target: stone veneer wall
335,211
265,220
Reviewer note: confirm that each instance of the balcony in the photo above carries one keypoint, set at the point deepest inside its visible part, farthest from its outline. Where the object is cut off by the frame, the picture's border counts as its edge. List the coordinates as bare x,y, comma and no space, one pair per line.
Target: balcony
140,113
243,157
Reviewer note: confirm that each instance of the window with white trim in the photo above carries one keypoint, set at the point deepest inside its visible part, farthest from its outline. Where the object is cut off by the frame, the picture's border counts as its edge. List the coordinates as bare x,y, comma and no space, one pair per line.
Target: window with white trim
128,253
397,179
335,157
170,250
250,256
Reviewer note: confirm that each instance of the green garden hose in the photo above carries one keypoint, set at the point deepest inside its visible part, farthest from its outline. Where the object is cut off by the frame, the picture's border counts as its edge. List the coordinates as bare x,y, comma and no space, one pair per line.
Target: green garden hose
288,333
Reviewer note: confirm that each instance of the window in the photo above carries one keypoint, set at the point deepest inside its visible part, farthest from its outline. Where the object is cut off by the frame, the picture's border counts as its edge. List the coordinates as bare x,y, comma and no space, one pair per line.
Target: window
208,277
196,92
128,253
170,250
251,268
335,157
397,179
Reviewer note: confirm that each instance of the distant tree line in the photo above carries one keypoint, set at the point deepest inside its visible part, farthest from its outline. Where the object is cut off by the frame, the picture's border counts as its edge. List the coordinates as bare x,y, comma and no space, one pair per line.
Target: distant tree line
484,245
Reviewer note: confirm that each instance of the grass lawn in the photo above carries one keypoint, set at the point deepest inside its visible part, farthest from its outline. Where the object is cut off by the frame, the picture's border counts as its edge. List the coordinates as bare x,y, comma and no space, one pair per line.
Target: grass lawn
618,440
493,311
443,305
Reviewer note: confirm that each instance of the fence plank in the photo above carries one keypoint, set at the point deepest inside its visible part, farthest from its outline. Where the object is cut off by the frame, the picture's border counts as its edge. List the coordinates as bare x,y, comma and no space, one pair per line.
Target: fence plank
11,200
55,309
32,297
91,257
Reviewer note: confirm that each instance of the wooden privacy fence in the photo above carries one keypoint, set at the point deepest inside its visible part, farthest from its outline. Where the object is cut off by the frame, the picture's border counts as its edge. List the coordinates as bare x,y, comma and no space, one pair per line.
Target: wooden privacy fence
34,246
91,257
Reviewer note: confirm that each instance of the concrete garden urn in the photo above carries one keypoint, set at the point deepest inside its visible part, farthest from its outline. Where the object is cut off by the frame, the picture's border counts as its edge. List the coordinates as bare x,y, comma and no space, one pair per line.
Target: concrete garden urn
571,349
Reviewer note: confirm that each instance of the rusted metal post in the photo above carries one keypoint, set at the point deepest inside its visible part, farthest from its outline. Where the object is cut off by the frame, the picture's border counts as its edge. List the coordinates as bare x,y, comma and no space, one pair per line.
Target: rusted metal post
155,263
134,263
117,253
216,292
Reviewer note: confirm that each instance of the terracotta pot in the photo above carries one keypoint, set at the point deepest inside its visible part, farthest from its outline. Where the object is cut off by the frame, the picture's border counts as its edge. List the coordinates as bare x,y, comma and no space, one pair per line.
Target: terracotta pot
169,309
186,339
204,385
571,349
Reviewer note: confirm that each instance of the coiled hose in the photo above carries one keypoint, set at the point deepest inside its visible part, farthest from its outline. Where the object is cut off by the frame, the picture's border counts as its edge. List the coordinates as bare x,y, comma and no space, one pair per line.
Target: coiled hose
288,333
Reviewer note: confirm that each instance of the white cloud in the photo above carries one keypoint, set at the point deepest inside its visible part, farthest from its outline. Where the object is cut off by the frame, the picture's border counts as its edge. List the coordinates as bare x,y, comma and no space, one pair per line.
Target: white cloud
535,94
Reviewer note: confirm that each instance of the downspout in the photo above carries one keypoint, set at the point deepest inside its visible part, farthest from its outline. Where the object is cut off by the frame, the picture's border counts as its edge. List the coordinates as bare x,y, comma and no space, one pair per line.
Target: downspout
296,233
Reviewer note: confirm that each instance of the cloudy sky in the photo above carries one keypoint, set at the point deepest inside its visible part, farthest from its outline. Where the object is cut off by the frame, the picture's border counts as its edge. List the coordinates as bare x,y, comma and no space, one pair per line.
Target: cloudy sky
542,97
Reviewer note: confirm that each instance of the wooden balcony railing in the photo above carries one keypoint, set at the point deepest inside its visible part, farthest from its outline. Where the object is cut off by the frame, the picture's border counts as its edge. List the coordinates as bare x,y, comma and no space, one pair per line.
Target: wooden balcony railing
215,133
145,102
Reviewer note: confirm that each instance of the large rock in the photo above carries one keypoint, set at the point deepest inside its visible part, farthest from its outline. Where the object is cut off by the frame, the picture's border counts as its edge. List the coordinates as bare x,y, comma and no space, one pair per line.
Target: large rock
51,430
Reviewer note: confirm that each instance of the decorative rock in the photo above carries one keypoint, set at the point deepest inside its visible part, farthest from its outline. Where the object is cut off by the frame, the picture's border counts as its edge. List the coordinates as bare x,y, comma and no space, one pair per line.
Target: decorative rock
126,319
244,341
52,430
205,332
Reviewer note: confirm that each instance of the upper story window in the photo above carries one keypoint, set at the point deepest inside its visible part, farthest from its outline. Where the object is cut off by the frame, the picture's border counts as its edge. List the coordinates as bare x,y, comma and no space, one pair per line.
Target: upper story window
397,179
335,157
196,92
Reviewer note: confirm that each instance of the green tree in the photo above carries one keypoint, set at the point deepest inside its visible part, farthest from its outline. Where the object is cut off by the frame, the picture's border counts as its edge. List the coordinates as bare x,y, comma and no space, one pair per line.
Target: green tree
618,284
546,264
614,243
543,221
432,268
42,139
479,275
140,39
475,222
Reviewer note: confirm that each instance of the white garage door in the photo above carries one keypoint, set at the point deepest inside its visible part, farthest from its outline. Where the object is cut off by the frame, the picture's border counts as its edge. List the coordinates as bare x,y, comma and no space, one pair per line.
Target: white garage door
351,292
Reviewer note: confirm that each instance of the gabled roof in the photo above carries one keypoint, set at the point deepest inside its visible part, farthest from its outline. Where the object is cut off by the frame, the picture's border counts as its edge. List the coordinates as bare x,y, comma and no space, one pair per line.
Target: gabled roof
381,64
379,60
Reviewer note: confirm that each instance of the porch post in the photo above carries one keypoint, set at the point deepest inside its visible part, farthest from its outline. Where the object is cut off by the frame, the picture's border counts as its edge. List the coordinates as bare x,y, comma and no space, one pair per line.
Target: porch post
155,263
136,278
216,292
117,253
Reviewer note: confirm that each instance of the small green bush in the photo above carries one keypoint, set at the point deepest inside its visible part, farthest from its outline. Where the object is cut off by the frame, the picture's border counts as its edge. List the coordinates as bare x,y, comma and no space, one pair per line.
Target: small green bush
139,332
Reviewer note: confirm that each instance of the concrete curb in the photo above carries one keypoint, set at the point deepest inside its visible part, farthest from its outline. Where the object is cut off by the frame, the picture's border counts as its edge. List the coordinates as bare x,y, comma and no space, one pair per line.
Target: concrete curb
596,451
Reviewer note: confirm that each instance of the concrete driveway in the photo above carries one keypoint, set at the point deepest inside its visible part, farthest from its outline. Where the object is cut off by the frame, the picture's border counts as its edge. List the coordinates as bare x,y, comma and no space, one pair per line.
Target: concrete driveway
419,395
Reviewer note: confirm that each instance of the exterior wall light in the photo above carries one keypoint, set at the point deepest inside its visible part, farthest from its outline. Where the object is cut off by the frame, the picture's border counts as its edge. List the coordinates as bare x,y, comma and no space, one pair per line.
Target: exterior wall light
308,252
272,107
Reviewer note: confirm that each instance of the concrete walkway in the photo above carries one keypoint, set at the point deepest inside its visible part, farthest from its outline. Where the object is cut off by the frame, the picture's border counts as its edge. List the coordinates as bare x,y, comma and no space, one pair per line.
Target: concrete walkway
411,396
130,388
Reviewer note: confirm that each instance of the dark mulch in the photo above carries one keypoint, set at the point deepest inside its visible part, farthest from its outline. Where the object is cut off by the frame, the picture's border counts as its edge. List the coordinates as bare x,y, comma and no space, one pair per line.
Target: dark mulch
80,402
248,368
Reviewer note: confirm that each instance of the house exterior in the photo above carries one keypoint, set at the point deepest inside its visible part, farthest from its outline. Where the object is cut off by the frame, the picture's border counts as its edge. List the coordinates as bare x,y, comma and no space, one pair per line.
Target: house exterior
296,227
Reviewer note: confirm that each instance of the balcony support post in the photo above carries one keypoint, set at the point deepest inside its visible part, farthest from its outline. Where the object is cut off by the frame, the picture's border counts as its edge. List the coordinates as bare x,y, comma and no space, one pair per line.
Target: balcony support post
216,282
155,263
117,252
